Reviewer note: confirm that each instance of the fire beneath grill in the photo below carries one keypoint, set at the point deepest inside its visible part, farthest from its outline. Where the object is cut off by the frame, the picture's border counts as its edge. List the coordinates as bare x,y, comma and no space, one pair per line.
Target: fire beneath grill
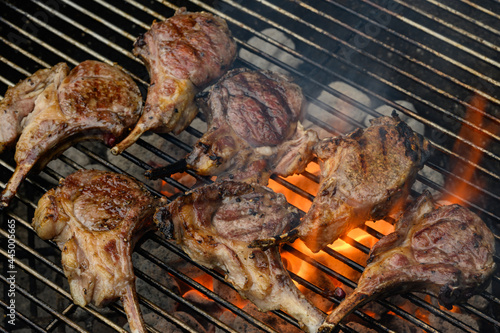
435,63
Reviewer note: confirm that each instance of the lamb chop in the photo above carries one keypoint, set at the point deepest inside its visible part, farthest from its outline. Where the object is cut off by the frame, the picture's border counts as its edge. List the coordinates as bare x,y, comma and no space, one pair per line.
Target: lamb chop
364,176
214,225
254,129
183,55
96,217
446,251
19,101
95,101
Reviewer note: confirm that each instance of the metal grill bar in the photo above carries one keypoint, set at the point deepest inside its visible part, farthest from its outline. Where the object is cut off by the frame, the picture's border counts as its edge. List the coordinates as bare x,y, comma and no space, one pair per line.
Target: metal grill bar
91,32
437,35
109,25
40,42
152,12
451,26
402,54
43,305
125,15
465,17
24,52
328,53
479,7
417,44
81,46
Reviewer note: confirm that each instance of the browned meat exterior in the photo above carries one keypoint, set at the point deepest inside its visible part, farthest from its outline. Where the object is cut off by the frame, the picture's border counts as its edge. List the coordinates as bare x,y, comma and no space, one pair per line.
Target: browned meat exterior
214,225
183,55
19,101
95,101
446,251
96,217
253,129
364,175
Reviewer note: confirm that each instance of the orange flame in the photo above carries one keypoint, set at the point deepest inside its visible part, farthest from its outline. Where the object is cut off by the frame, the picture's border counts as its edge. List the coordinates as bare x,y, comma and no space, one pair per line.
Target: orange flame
458,187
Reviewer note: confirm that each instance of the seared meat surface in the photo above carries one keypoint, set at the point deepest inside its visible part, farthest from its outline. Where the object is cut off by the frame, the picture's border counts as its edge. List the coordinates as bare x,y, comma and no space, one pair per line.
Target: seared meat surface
214,225
183,54
254,129
364,176
19,101
446,251
96,217
95,101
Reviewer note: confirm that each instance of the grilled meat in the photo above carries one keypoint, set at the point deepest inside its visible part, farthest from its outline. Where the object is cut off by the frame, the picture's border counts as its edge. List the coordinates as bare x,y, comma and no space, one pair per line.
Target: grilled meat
446,251
95,101
214,225
19,101
364,176
183,54
254,129
96,217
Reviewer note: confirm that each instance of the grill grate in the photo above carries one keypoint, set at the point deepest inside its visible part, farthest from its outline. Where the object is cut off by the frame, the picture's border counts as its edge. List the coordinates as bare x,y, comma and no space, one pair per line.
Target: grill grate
438,57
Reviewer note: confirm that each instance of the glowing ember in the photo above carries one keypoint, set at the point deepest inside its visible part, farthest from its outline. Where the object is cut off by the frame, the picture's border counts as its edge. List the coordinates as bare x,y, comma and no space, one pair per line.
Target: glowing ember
381,226
303,183
205,280
183,178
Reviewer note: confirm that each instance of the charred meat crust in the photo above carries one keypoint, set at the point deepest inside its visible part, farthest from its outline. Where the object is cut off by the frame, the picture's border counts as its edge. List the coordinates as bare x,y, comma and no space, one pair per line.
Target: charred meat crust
19,102
97,212
253,128
215,224
95,101
444,251
183,55
364,175
193,45
259,106
96,217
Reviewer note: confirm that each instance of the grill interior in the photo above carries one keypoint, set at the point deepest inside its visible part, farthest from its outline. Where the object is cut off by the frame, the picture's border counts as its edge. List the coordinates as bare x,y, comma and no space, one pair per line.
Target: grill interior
434,62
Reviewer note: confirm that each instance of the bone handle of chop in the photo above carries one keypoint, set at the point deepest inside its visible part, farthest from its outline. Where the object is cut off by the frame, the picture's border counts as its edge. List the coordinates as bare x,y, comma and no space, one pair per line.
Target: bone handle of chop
348,305
133,311
11,188
136,133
